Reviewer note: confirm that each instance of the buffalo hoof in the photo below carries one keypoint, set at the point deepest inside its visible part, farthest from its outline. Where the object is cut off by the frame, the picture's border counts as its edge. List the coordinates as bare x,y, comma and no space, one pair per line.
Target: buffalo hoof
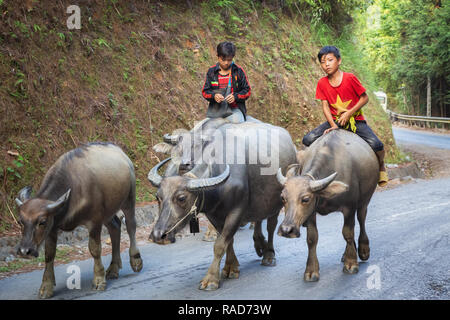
99,284
230,273
46,290
113,271
209,284
136,263
311,276
269,262
351,268
210,238
259,249
364,253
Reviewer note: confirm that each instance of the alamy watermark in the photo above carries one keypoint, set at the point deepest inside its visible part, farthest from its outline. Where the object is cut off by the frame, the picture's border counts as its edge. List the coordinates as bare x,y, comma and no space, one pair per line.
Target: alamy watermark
74,280
74,20
374,280
231,146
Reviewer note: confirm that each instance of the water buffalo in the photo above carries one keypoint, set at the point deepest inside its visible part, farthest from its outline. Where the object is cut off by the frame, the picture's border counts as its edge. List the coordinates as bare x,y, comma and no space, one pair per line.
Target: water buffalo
179,165
338,172
230,193
85,186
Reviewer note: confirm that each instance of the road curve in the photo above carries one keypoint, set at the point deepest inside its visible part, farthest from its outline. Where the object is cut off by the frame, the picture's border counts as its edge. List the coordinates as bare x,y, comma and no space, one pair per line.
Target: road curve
416,137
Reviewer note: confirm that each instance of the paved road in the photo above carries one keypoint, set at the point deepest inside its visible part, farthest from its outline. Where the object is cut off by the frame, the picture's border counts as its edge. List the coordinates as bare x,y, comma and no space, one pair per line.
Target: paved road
409,232
408,136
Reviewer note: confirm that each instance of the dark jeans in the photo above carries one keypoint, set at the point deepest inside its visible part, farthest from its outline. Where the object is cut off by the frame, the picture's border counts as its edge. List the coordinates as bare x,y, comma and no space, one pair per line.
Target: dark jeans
362,130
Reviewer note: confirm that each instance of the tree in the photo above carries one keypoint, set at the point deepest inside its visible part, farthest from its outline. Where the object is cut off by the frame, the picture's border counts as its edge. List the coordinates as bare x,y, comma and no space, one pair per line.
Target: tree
409,48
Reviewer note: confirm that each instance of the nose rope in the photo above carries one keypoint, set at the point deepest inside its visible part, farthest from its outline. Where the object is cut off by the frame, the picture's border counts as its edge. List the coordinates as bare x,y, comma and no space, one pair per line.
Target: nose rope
192,211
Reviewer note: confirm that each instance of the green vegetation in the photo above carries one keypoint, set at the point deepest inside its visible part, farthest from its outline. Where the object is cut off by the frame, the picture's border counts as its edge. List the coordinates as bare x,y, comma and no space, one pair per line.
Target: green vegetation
62,256
407,44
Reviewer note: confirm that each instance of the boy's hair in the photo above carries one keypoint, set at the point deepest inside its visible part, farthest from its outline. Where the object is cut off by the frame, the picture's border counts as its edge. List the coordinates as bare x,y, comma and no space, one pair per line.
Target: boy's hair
226,49
329,49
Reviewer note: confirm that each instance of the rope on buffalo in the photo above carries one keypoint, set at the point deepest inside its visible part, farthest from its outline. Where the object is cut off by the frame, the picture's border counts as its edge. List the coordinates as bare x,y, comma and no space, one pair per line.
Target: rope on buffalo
193,211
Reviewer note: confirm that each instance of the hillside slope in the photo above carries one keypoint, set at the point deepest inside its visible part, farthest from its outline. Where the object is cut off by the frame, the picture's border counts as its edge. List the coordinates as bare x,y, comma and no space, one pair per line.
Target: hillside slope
135,71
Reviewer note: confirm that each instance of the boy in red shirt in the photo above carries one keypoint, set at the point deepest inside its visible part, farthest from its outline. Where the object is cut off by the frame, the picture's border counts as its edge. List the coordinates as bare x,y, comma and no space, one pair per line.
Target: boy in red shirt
342,97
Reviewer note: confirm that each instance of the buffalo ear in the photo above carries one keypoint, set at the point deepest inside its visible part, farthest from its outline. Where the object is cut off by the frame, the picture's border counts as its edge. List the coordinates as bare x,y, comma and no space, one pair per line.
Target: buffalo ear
53,208
24,195
334,189
163,147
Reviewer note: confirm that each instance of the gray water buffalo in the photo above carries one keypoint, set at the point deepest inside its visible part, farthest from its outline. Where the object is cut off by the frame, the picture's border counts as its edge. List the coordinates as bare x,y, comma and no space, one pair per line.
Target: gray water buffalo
242,188
179,165
85,186
338,172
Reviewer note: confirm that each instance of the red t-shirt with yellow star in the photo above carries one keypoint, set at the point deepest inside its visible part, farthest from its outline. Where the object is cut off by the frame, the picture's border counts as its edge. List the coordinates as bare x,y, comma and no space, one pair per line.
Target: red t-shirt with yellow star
342,97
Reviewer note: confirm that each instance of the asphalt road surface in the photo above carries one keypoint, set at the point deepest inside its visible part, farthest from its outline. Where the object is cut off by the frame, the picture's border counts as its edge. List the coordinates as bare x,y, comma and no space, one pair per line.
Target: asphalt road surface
408,229
431,139
409,232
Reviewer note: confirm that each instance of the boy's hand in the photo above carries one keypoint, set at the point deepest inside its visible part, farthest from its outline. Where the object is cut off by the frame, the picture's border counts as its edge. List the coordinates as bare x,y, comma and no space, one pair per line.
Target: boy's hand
218,97
229,98
330,129
344,118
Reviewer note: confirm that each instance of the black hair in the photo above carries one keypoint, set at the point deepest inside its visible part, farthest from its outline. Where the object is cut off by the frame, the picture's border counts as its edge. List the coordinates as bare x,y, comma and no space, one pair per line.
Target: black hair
226,49
329,49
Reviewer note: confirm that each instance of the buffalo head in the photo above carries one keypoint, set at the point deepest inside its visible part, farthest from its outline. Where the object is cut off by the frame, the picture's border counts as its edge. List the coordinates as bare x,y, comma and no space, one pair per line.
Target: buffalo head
176,196
300,195
36,218
184,147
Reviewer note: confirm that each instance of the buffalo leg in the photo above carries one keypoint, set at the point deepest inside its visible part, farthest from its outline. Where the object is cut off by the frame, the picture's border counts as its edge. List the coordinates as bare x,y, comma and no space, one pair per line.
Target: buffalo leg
210,234
231,268
212,278
116,262
312,264
363,240
95,248
48,280
130,221
258,239
269,252
348,231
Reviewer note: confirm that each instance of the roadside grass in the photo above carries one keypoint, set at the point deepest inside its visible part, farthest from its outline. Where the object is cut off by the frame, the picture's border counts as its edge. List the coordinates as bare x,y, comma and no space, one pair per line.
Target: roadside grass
62,256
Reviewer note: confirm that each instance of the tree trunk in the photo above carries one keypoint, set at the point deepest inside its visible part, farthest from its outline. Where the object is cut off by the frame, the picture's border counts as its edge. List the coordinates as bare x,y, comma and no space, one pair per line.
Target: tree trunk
428,96
441,98
404,100
418,103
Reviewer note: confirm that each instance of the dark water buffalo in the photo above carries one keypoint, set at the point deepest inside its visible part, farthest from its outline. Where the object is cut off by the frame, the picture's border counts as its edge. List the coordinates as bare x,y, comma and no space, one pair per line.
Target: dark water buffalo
338,172
179,165
171,147
241,189
86,186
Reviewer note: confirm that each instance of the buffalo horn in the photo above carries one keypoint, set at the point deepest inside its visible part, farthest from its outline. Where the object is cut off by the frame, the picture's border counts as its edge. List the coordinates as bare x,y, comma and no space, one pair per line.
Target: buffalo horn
18,202
206,183
153,175
317,185
172,139
281,179
24,195
59,203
